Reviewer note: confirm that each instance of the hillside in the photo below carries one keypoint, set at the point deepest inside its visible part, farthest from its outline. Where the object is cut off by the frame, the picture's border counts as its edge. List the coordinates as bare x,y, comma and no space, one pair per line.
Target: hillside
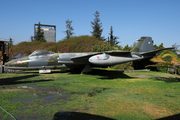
74,44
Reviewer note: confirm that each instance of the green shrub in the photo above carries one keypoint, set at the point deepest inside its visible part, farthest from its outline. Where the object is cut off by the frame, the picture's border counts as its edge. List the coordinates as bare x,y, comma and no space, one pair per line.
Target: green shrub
124,66
74,44
162,69
101,47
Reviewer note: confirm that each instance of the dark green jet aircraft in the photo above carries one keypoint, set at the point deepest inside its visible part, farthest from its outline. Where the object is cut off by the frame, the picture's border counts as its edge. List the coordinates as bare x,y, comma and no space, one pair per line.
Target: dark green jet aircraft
42,59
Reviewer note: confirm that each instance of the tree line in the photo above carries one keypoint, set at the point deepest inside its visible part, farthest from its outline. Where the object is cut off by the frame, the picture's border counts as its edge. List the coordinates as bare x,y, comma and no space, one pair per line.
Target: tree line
96,32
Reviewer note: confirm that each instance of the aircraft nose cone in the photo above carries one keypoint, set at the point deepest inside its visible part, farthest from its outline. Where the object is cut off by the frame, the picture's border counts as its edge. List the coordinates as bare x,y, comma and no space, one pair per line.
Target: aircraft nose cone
10,63
6,64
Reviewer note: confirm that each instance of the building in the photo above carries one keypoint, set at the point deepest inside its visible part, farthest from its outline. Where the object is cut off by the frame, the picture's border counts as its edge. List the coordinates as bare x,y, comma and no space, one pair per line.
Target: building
49,32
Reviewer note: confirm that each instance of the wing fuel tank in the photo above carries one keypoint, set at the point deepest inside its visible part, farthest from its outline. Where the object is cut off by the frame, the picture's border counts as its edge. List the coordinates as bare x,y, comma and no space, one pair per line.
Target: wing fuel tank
105,59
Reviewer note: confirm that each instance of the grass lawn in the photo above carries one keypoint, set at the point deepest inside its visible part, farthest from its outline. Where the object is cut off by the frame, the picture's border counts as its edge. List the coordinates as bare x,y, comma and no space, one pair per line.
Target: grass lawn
103,94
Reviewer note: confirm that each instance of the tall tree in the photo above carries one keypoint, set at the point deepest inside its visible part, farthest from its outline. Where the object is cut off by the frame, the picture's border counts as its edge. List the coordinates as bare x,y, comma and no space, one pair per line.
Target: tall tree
127,48
10,41
39,36
32,38
96,25
69,29
113,39
161,46
156,47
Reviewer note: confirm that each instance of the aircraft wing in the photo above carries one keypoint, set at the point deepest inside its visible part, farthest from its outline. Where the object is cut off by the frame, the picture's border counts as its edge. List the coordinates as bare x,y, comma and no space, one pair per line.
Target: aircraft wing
154,52
119,53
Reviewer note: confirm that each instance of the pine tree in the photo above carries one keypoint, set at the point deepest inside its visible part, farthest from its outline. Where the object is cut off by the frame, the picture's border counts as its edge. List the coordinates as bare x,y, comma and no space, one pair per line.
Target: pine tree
113,39
69,29
32,38
156,47
10,41
127,48
97,31
39,36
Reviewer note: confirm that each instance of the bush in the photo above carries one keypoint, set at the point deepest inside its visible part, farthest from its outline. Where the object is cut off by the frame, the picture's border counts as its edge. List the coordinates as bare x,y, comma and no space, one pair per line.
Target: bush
74,44
162,69
124,66
101,47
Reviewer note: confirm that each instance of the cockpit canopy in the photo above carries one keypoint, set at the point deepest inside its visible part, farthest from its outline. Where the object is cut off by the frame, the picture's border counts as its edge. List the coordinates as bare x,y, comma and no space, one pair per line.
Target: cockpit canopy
40,52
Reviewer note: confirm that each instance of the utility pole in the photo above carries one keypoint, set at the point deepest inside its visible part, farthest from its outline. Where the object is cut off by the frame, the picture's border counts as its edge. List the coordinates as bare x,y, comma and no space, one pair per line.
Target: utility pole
3,46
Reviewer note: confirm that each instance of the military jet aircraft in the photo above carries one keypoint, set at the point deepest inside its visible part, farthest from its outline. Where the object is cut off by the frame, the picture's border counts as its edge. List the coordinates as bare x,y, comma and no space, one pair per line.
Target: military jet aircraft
42,59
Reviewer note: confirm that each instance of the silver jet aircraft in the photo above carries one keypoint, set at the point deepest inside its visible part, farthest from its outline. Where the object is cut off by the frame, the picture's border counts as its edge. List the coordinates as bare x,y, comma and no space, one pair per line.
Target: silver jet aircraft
42,59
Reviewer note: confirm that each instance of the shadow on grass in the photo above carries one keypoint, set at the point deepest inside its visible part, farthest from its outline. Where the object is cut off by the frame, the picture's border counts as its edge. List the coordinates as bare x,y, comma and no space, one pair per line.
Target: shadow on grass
109,74
14,80
105,74
172,117
168,80
78,116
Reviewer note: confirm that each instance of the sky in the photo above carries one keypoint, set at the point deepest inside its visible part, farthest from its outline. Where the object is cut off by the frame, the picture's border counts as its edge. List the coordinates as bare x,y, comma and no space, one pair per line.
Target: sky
130,19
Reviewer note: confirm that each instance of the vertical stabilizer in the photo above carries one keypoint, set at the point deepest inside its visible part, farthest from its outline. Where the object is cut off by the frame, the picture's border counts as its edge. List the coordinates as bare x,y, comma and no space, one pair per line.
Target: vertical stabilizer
144,44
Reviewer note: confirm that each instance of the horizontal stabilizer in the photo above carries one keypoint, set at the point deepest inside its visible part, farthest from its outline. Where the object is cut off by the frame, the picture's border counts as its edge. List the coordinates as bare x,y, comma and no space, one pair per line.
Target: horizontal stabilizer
154,52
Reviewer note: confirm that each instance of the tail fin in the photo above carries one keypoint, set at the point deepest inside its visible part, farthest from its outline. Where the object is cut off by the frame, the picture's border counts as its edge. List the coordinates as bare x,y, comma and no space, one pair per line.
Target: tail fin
144,44
144,47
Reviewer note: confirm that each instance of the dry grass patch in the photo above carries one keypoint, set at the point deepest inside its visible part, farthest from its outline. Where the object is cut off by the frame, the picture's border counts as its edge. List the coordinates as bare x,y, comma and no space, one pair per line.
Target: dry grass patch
141,76
12,90
133,80
116,107
121,108
156,111
110,99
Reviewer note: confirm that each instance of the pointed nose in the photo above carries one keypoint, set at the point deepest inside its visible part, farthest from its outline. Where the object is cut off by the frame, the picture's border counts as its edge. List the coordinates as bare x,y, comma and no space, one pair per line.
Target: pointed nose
6,64
10,63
